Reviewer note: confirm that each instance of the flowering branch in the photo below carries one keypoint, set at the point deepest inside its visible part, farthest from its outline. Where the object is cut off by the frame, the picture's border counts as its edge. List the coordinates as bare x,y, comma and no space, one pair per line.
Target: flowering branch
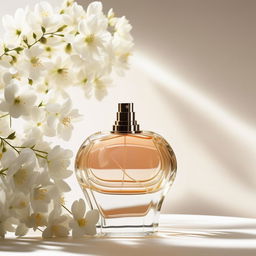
44,52
42,39
16,148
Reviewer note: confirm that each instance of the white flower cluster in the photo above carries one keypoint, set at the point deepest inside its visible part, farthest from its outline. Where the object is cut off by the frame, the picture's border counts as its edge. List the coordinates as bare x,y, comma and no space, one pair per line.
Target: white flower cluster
43,52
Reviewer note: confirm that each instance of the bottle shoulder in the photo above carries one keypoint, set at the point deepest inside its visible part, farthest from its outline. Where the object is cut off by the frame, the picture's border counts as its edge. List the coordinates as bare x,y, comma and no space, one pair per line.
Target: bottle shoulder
106,135
143,139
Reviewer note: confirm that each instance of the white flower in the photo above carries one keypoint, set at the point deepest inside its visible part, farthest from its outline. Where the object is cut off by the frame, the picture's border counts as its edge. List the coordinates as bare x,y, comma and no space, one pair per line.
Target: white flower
38,118
83,224
92,38
21,230
6,221
22,171
58,163
61,118
36,220
56,225
14,75
33,63
72,16
42,193
101,83
7,158
112,19
60,72
34,139
122,51
18,203
43,16
123,29
6,224
85,80
16,26
95,8
17,101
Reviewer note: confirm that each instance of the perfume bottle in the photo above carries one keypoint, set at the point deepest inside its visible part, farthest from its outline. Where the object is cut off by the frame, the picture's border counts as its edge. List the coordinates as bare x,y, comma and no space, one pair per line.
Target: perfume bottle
125,174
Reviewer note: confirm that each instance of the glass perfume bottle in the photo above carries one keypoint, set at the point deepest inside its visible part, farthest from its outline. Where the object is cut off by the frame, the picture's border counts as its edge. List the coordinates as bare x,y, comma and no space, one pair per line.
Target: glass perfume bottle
125,174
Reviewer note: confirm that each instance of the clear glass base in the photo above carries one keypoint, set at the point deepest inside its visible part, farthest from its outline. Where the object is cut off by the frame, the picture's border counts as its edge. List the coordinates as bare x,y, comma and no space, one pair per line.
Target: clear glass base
126,215
125,230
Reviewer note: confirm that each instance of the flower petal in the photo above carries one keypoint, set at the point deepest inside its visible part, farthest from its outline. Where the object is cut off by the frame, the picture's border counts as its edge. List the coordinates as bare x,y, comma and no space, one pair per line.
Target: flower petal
92,216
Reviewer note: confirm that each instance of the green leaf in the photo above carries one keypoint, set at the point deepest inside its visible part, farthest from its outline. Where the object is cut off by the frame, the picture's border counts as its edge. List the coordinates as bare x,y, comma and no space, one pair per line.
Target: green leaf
14,60
68,48
30,81
34,36
11,136
18,49
43,29
61,28
41,104
3,171
43,40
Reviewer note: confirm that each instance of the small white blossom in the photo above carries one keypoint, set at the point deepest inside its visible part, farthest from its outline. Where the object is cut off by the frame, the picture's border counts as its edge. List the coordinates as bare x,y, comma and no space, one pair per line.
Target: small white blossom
16,26
42,192
83,224
43,15
60,72
14,75
56,225
93,36
72,16
33,62
22,171
21,230
61,118
17,101
6,221
101,83
58,162
18,204
36,220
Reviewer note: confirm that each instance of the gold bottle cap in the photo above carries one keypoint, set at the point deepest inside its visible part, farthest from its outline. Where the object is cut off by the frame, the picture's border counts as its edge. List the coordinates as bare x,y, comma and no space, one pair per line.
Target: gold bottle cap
126,122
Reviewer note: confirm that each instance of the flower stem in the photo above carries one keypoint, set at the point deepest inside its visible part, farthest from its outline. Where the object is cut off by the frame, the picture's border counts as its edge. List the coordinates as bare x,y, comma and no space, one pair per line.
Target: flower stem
43,35
44,157
66,209
36,151
4,115
9,144
27,45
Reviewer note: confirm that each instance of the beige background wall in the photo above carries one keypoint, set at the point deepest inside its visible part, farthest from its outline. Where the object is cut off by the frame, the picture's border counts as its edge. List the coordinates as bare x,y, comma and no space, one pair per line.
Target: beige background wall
192,79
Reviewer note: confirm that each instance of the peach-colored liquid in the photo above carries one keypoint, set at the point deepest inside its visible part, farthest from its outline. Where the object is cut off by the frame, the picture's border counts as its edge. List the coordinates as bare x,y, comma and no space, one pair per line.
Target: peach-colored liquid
126,175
